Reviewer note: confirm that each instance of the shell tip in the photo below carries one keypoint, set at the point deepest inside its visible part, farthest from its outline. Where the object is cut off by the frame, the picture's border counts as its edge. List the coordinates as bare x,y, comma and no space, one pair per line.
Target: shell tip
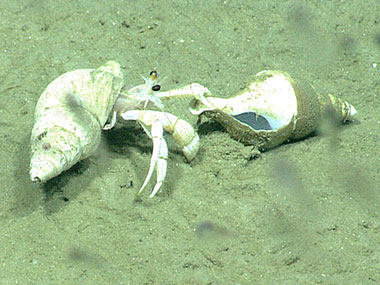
43,168
353,111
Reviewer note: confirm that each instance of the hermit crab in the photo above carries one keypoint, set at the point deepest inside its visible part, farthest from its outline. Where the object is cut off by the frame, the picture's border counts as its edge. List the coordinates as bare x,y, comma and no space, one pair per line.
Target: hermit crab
76,106
275,108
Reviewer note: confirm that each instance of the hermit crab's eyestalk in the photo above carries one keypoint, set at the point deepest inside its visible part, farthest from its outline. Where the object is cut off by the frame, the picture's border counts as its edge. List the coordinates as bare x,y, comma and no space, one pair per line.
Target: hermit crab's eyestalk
153,75
273,109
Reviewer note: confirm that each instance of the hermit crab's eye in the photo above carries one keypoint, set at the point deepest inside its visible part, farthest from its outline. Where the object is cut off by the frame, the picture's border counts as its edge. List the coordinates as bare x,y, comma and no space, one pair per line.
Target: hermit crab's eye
153,75
156,87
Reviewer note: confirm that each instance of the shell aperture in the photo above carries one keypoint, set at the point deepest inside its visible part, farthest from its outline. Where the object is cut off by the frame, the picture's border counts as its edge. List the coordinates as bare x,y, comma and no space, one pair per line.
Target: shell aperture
254,121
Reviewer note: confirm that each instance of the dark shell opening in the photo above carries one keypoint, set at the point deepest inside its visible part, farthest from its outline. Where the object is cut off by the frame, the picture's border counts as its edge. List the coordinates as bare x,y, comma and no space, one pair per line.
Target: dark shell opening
256,122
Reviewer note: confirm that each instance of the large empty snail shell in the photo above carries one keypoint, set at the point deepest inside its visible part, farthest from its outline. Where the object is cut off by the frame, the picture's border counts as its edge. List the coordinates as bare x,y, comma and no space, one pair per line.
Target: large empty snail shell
69,117
274,108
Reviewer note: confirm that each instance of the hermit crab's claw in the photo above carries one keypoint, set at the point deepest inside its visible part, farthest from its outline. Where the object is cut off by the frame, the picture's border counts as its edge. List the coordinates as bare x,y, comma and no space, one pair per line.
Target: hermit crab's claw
154,122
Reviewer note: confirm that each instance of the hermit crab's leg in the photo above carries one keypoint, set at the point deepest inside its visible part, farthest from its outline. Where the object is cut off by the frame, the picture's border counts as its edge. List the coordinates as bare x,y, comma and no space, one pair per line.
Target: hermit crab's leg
194,90
161,166
153,122
159,155
183,133
154,130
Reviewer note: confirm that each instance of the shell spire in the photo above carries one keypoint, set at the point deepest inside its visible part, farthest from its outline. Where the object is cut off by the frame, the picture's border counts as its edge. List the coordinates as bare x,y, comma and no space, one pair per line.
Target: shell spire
344,109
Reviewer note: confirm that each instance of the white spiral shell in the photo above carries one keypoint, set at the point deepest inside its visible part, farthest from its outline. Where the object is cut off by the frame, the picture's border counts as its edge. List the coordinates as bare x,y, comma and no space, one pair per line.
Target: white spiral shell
69,117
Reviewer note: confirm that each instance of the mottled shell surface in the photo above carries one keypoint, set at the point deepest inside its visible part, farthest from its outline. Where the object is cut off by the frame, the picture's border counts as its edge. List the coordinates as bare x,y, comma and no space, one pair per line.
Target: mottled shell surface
273,109
69,117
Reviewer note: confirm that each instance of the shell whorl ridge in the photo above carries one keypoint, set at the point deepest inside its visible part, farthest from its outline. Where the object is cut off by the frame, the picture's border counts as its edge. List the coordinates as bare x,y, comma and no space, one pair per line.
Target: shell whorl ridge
69,116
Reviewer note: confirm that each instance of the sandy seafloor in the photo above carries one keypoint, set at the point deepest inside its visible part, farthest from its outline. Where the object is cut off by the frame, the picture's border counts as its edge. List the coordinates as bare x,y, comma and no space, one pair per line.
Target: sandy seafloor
302,213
